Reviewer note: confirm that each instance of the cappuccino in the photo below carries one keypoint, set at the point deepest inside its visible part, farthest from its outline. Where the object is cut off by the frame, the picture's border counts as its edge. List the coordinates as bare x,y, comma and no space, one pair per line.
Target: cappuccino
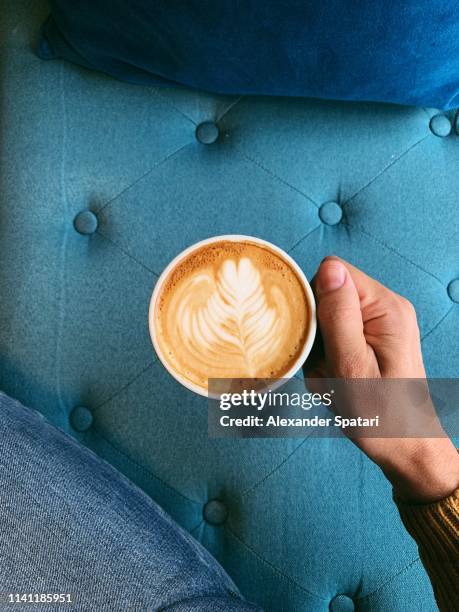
230,309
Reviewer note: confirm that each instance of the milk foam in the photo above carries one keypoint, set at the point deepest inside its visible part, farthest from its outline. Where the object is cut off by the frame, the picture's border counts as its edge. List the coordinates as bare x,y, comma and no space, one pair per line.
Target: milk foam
237,314
235,323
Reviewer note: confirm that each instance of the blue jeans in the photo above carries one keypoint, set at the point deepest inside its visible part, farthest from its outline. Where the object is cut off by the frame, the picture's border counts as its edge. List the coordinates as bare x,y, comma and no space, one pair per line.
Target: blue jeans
70,523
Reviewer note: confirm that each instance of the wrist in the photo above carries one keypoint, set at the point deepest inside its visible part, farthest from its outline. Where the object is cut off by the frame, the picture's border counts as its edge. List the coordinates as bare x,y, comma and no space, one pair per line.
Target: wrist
423,470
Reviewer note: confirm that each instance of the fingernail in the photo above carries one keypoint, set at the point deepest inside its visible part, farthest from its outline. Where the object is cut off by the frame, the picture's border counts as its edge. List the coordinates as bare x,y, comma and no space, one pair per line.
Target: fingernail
331,276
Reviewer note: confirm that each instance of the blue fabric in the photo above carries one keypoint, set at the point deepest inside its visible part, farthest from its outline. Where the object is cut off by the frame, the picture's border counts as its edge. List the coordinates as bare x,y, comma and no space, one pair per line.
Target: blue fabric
390,51
92,534
305,521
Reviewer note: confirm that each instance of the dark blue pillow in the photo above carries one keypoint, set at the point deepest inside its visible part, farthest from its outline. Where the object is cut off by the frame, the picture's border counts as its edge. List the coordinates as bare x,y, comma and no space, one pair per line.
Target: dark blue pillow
391,51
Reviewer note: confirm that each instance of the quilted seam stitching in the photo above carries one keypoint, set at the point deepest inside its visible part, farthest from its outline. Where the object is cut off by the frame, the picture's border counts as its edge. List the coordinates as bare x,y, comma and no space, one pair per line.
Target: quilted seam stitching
426,111
140,178
126,386
225,111
168,103
274,470
273,567
298,242
392,250
125,252
348,200
384,169
196,527
275,176
229,108
391,579
145,469
437,324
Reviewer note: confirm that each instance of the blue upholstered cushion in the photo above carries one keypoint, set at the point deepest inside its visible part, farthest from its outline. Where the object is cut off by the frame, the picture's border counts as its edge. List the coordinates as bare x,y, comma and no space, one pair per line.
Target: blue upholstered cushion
301,525
370,50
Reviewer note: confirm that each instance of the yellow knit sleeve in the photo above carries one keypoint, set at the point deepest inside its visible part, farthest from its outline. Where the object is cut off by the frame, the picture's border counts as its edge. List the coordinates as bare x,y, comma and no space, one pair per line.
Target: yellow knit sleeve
435,527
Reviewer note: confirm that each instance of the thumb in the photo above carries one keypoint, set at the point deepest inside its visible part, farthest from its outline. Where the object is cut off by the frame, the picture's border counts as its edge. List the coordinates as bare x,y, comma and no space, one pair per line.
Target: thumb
340,319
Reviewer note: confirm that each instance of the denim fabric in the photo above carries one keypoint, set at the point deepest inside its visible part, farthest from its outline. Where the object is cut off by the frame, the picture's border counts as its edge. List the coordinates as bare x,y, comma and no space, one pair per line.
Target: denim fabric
70,523
405,52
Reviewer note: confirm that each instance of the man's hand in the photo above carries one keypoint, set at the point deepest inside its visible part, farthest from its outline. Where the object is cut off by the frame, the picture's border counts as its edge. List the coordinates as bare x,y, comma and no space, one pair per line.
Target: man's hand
368,331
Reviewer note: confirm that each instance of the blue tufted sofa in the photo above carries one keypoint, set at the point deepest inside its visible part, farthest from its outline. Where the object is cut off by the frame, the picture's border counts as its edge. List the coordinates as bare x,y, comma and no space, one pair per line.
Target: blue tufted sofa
102,183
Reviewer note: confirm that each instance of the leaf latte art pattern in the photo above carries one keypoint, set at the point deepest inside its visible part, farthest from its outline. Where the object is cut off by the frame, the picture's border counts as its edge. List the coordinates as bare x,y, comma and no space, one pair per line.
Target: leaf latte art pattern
229,322
230,309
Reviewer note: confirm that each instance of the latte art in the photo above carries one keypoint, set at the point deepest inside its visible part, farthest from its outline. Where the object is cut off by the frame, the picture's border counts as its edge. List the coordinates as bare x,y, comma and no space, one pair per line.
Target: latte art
231,310
235,327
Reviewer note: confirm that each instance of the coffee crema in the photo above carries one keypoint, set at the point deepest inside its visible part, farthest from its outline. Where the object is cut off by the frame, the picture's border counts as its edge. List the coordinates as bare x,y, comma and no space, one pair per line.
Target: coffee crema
231,310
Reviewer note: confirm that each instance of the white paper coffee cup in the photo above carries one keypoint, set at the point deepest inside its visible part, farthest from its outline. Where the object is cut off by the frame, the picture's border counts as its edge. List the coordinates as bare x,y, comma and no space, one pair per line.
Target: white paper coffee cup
311,332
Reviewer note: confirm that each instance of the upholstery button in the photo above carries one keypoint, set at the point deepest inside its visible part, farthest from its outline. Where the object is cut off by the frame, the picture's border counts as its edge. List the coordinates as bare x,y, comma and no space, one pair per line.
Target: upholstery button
207,132
453,290
81,418
440,125
330,213
85,222
342,603
215,512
